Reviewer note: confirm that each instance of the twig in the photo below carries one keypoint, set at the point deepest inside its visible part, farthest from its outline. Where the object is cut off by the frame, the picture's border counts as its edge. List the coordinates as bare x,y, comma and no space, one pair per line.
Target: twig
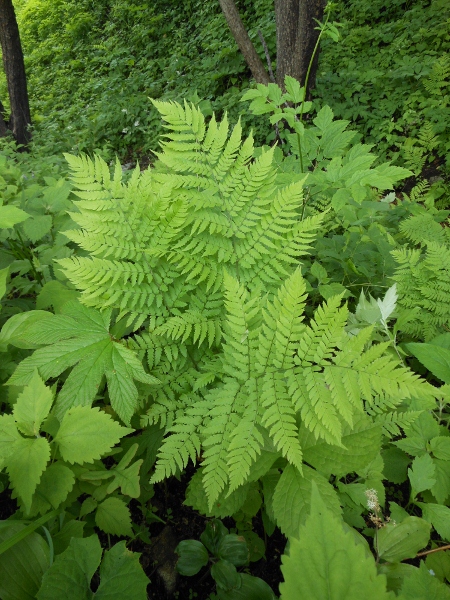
266,52
447,547
271,75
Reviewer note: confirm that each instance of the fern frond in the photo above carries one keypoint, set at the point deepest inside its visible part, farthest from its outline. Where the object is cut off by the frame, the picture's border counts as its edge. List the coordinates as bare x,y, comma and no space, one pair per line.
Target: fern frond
228,405
246,440
280,417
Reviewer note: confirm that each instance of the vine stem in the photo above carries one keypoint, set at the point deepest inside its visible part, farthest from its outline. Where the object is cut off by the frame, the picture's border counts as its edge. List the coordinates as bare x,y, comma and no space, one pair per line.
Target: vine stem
446,547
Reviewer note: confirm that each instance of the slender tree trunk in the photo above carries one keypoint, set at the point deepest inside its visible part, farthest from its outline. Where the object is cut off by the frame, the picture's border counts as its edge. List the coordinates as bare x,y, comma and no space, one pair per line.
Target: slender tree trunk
296,38
243,41
15,73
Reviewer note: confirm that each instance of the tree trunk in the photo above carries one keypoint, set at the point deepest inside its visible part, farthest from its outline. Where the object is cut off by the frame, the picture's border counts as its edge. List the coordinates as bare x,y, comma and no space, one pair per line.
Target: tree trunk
15,73
3,126
296,38
243,41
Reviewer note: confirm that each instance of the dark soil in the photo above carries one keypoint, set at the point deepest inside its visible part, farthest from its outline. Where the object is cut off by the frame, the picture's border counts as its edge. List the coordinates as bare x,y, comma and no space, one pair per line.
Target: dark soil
182,523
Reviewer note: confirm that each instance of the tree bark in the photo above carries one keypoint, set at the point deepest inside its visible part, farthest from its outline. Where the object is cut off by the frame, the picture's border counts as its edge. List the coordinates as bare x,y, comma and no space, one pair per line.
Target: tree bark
296,38
243,41
14,66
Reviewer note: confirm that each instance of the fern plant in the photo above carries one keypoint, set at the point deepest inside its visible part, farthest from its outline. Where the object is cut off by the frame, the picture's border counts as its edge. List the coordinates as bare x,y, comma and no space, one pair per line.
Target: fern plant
423,277
199,257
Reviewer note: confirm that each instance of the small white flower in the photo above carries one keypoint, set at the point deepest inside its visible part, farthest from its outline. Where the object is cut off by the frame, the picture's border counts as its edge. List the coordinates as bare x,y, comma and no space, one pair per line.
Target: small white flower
125,130
136,123
431,572
124,110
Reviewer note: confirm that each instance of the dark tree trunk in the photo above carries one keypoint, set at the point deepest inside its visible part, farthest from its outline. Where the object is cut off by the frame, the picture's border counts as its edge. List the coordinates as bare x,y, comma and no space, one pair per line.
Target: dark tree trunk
3,126
243,41
296,38
15,73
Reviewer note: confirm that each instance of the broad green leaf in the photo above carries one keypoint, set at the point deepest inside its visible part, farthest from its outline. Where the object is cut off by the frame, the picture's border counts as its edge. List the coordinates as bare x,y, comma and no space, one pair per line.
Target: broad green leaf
422,585
79,337
121,576
435,358
3,279
361,444
86,434
225,575
70,575
395,465
15,328
421,474
32,406
11,215
55,484
438,516
113,516
192,556
440,447
249,588
71,529
25,466
441,489
403,540
324,118
23,565
215,530
325,562
233,548
291,501
293,88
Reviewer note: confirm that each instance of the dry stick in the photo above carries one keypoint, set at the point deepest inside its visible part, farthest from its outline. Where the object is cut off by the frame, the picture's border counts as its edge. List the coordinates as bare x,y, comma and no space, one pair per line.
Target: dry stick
447,547
266,52
272,76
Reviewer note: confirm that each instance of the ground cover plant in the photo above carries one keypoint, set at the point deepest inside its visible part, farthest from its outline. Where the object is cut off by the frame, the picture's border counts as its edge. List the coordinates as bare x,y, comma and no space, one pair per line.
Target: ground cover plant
226,376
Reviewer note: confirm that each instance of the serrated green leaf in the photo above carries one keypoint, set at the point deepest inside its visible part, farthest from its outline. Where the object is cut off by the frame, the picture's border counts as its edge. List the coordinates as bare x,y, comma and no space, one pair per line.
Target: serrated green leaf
421,474
435,358
32,406
15,329
291,500
396,542
8,436
361,444
71,529
79,337
121,576
127,479
23,565
395,465
36,227
55,484
86,434
70,575
440,447
113,516
25,466
422,585
324,561
11,215
439,516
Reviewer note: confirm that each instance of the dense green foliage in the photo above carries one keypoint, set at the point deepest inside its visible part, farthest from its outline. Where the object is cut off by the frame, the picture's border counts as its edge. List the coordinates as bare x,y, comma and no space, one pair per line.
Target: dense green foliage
270,321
